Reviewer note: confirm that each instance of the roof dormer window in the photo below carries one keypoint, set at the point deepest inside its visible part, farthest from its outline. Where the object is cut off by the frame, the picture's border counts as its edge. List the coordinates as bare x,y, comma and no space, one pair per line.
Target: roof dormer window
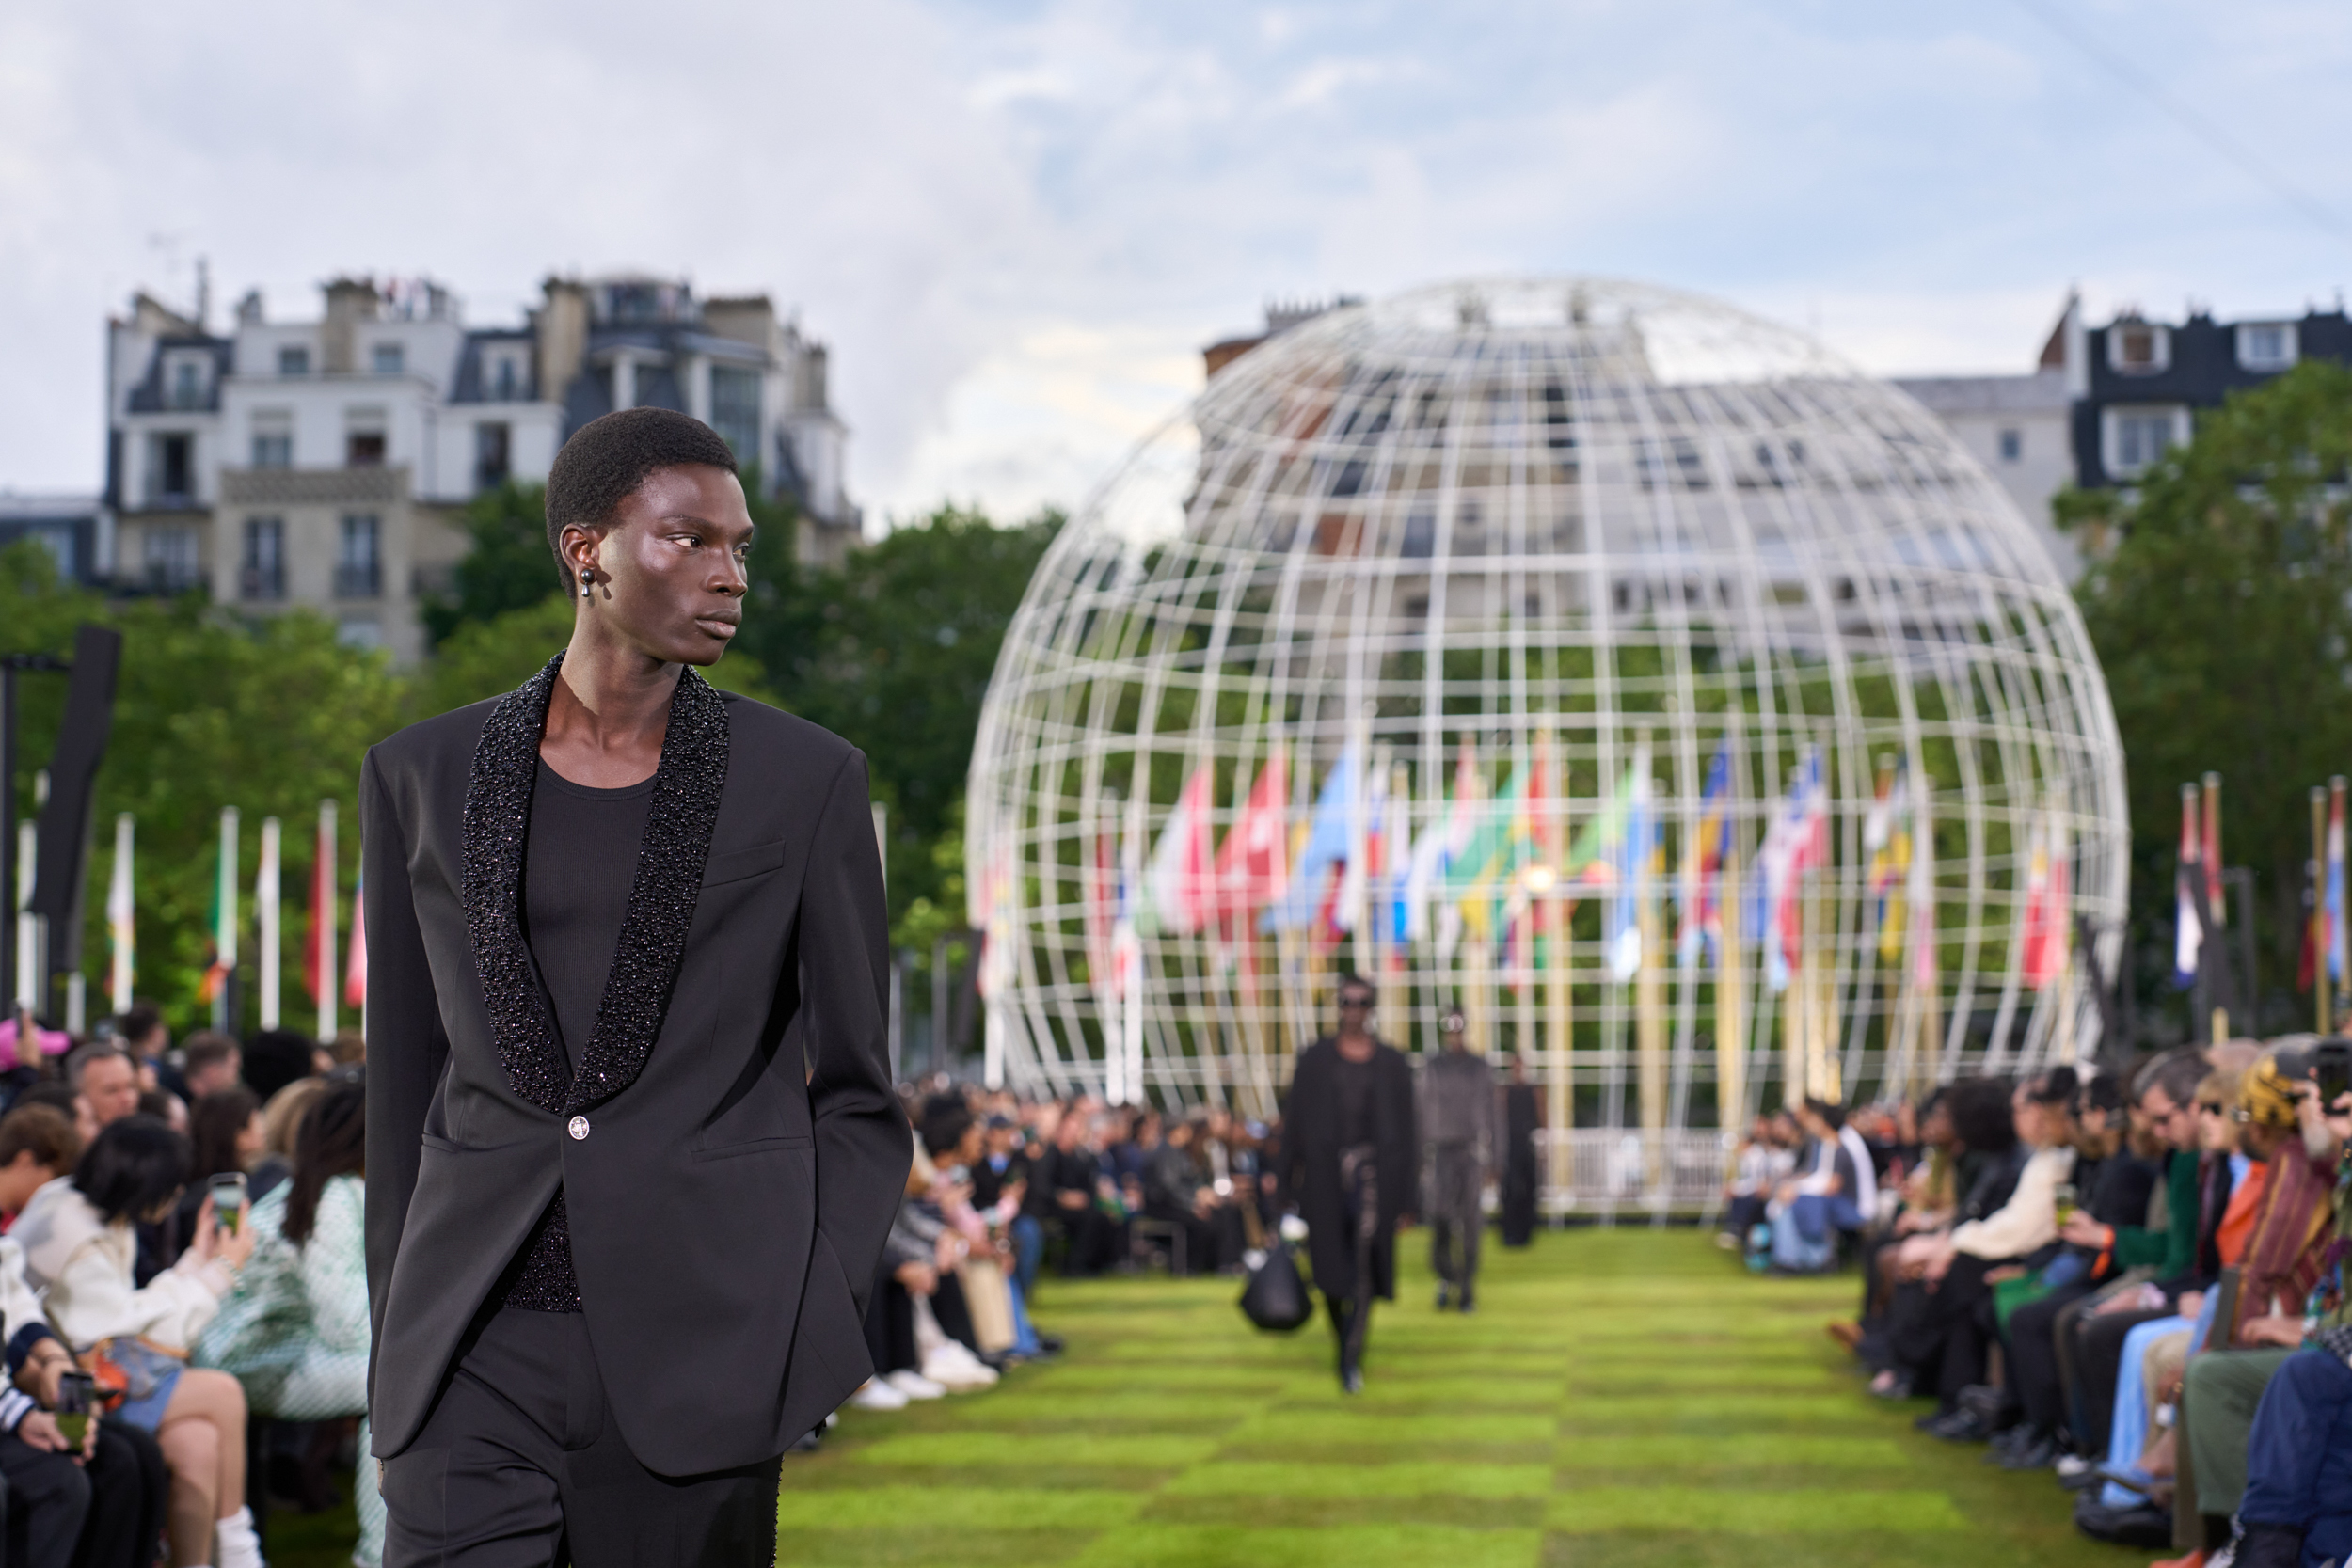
2139,348
185,381
389,359
2266,346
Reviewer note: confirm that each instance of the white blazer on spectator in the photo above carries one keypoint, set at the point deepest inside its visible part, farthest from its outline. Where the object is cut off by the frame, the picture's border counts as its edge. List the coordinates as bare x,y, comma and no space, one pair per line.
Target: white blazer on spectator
84,1267
2028,1220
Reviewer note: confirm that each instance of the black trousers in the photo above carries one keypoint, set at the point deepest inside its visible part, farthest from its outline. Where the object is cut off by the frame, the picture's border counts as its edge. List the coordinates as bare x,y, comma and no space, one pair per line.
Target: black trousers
1519,1194
890,1327
1939,1335
129,1487
521,1466
2034,1363
48,1498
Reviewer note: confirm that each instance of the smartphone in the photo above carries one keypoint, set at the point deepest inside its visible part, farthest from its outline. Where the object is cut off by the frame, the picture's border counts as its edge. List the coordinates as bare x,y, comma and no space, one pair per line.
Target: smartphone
2331,1068
2067,1202
227,1190
76,1391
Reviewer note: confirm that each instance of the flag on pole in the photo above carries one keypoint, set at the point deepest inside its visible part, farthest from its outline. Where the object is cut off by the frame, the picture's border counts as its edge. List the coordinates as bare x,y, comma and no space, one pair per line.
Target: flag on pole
1360,873
2188,887
1179,880
1440,844
1253,862
1887,834
356,971
1797,841
2332,918
1703,862
1635,853
1479,878
2046,944
1311,879
223,961
122,916
317,949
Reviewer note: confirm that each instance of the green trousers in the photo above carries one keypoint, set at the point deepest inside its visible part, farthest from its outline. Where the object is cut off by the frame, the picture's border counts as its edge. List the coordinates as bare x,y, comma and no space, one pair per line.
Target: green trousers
2217,1402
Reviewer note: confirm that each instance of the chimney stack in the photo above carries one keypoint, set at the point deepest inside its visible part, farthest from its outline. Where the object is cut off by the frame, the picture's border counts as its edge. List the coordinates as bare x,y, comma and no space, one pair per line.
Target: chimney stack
349,302
562,337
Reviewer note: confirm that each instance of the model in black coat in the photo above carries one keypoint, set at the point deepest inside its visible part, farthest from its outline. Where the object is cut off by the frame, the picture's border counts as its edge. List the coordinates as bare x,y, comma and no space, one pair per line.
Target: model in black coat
1312,1146
726,1145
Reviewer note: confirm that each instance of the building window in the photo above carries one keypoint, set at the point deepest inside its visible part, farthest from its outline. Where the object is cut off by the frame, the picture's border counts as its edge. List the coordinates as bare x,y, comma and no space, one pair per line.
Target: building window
490,467
507,378
2013,445
273,440
170,559
2136,439
294,359
2266,346
187,384
263,575
735,409
363,438
360,563
359,632
389,359
170,470
2138,348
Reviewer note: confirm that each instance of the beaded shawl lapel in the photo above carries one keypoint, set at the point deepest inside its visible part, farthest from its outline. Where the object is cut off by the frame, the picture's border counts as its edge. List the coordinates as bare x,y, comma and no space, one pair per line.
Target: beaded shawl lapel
678,824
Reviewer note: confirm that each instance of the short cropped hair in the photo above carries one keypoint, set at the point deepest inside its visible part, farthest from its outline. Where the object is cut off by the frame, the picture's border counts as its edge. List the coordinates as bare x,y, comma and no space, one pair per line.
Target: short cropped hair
606,459
79,1062
205,1049
131,1168
137,1024
46,1131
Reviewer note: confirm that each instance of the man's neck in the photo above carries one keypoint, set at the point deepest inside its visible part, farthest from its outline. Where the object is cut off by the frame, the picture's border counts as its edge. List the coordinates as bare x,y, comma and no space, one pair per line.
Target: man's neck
1356,1045
609,713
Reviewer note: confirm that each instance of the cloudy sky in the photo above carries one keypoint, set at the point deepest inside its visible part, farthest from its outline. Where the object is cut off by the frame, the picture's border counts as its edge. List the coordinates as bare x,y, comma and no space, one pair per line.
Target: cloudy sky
1017,224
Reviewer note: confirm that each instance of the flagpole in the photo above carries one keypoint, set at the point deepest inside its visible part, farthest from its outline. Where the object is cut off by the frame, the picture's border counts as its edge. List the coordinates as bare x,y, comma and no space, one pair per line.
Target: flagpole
265,908
2319,903
1731,1038
1649,1006
121,916
323,912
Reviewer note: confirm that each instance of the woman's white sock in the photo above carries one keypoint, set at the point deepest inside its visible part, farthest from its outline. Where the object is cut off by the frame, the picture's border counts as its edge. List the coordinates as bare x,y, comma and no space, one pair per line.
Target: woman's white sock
237,1547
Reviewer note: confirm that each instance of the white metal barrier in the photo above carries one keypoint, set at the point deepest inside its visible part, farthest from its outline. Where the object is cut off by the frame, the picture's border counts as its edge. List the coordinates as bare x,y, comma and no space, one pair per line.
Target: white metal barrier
1610,1170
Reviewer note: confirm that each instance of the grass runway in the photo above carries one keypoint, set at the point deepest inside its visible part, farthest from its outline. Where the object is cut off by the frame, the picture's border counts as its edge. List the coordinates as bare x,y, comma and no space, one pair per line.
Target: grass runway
1621,1398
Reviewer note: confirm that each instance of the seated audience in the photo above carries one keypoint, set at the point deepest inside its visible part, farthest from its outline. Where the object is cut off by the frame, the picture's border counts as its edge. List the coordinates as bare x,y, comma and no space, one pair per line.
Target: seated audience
76,1235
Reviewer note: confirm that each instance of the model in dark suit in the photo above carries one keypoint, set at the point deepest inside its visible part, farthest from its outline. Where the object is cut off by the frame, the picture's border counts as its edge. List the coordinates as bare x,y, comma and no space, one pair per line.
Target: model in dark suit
1352,1160
632,1144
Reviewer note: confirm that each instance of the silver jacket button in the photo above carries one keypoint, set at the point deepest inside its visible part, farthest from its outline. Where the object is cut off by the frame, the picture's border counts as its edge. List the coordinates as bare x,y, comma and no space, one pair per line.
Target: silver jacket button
577,1127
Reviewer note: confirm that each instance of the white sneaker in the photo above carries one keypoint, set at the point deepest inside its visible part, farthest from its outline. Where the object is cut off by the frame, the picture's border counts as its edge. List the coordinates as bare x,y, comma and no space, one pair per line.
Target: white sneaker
877,1395
958,1371
914,1385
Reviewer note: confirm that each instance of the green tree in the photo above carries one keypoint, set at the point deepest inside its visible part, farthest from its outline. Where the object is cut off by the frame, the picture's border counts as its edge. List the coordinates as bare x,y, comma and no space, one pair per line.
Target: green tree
2221,609
507,566
894,651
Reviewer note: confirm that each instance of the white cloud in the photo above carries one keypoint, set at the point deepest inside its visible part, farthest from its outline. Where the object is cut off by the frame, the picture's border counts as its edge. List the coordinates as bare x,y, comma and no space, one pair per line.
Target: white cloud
1016,229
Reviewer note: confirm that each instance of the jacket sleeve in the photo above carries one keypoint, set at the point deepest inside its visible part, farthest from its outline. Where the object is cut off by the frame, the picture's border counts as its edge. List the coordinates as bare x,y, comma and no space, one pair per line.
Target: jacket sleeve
2028,1221
863,1144
2173,1250
406,1047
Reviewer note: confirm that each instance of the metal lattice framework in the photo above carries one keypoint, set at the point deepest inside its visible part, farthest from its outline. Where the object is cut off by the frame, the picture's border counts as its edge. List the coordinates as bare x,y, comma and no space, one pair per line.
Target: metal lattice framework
1571,523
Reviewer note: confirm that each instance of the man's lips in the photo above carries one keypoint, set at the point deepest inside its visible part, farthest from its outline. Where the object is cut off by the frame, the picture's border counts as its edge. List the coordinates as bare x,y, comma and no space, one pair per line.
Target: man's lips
720,623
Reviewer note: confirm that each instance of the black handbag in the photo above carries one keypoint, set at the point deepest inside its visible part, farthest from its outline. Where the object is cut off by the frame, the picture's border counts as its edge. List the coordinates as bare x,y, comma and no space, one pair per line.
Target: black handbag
1275,1297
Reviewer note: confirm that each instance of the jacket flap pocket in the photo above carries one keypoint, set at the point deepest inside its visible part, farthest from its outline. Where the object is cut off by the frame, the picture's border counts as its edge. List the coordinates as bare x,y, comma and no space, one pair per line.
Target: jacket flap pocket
737,865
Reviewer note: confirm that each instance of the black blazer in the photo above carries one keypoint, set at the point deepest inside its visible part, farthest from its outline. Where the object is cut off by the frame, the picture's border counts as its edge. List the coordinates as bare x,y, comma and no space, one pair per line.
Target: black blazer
730,1149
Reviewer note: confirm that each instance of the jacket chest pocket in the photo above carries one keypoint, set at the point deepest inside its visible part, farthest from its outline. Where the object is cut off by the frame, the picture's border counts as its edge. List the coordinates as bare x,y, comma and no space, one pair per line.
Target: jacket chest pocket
739,865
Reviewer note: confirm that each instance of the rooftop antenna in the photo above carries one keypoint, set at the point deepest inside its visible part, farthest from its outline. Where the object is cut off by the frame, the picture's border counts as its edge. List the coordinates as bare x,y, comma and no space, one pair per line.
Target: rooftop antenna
203,293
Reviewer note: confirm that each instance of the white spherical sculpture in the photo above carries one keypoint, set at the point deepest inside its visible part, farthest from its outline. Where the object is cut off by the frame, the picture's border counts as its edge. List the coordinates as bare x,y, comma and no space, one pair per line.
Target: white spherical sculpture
1520,560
